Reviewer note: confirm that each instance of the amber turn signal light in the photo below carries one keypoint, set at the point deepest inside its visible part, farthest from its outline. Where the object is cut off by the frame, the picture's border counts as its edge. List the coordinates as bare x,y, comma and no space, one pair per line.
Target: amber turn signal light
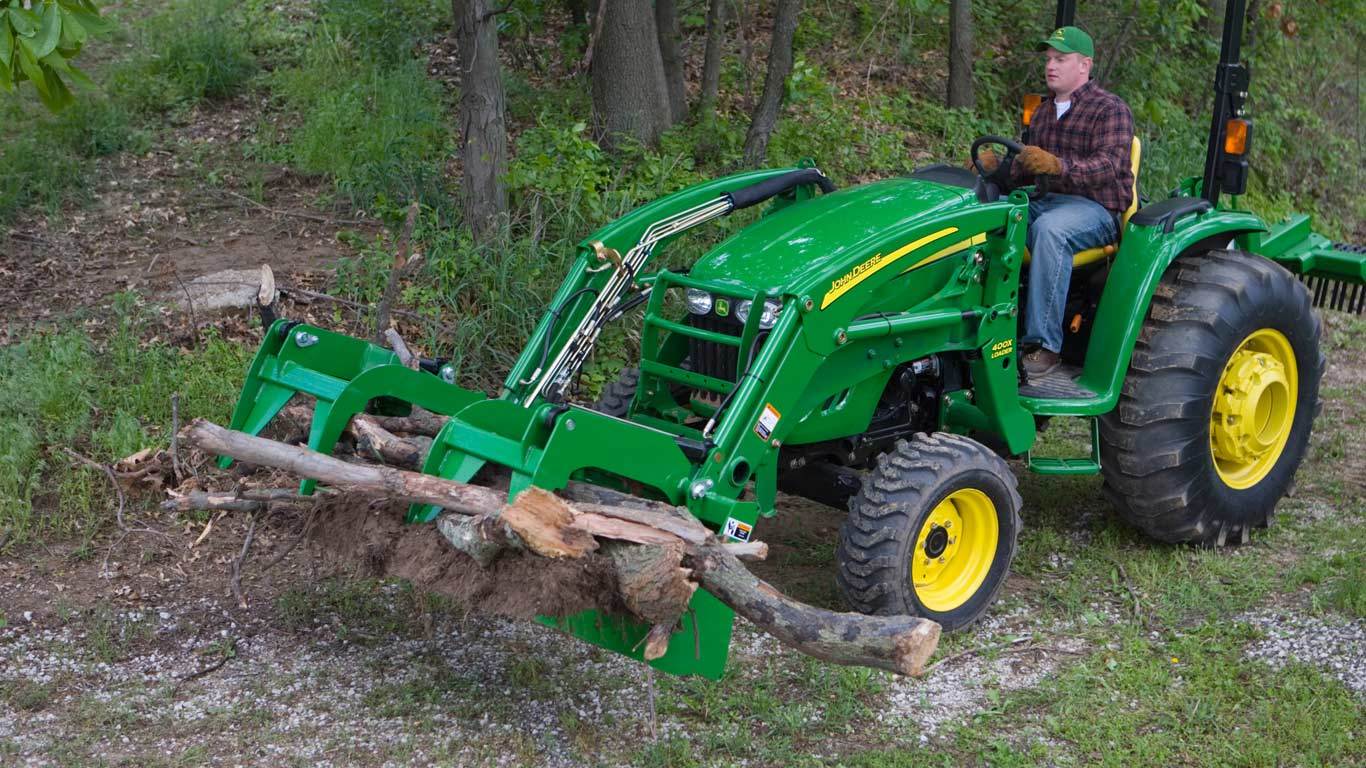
1235,136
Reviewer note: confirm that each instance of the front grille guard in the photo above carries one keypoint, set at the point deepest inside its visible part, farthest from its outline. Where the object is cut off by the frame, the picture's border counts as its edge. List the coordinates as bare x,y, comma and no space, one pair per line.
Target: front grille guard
717,356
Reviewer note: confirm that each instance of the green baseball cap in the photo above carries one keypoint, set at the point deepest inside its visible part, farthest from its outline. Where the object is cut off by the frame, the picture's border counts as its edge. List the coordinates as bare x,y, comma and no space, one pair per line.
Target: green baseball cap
1069,40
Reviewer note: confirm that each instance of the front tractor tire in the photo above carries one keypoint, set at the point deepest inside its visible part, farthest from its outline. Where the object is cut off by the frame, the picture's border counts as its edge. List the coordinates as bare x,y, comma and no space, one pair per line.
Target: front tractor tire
932,532
616,397
1219,401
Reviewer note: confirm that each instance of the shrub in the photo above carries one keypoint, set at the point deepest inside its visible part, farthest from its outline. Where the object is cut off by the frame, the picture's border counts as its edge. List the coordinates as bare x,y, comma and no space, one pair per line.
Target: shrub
205,53
382,135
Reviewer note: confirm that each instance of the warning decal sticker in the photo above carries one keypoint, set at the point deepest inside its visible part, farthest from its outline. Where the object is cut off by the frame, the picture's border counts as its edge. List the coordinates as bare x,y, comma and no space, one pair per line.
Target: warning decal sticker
767,421
737,530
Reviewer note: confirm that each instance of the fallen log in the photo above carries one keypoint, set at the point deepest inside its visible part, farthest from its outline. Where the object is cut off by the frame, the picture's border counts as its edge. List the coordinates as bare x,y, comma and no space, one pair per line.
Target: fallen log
373,440
420,422
673,544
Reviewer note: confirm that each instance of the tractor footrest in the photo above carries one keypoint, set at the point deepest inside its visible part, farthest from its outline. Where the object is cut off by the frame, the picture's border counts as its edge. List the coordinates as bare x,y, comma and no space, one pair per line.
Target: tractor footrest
1048,465
1051,466
1059,384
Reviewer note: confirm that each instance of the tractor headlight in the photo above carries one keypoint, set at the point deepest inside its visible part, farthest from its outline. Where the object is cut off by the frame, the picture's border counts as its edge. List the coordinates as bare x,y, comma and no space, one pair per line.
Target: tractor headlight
767,320
698,301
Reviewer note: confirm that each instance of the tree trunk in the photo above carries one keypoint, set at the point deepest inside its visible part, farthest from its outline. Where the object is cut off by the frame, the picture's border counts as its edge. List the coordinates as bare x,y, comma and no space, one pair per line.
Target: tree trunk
960,55
483,132
711,59
775,82
657,554
630,97
666,25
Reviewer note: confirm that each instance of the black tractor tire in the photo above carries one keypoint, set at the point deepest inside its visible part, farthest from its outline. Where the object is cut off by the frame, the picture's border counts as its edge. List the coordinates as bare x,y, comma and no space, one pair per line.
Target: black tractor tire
615,398
1161,468
892,519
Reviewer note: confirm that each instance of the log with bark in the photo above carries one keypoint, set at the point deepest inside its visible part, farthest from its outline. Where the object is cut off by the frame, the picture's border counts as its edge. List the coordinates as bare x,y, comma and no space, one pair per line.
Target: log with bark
651,555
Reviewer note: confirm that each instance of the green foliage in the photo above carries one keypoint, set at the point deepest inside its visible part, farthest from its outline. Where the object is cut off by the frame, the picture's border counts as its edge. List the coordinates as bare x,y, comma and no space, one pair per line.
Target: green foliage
383,32
36,171
560,173
381,134
37,44
205,53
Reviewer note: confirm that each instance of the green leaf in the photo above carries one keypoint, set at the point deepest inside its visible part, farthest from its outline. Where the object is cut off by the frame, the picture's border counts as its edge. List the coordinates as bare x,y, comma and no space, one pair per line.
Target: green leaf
31,69
93,23
57,62
58,96
6,78
73,34
6,42
24,22
50,33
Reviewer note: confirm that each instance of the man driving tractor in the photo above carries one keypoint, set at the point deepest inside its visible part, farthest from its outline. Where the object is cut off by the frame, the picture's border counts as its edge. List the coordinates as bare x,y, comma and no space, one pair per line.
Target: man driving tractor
1080,138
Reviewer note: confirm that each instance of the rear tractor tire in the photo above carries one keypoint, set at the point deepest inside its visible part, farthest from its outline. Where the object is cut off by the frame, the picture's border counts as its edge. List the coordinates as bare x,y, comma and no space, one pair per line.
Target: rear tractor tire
932,532
1219,401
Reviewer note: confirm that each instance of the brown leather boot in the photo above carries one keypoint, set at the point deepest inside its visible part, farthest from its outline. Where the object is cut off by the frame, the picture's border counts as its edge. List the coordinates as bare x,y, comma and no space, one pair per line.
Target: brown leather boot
1041,362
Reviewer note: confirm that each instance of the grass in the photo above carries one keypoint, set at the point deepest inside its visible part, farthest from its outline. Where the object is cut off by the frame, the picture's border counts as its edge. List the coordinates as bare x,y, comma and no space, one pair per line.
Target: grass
382,135
150,68
1186,699
363,611
105,398
27,696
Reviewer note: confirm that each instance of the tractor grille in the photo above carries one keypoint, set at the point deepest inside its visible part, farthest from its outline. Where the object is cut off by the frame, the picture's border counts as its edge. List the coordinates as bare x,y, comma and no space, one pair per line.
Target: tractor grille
716,360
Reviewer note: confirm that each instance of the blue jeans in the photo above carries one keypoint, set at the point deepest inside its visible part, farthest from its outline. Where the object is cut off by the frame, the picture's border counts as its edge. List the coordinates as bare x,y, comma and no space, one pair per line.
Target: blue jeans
1059,226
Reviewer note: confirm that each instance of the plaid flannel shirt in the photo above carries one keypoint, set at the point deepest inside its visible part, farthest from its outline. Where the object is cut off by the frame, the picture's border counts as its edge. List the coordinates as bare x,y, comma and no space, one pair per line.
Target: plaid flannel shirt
1093,141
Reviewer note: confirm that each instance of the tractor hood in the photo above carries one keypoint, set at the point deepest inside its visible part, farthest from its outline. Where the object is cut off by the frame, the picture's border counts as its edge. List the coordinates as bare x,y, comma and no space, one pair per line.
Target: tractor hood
791,248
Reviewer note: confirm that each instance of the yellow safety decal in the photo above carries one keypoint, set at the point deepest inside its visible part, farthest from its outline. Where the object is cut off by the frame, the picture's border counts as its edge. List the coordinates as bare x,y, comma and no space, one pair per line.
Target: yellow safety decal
1002,348
952,249
768,420
870,267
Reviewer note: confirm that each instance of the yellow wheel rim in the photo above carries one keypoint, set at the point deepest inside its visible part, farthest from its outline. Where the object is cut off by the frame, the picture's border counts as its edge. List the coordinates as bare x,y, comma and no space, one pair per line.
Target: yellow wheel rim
954,550
1254,408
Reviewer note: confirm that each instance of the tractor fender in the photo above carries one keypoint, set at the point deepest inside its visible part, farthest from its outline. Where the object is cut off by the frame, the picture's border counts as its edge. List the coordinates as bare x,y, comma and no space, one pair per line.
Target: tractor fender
1144,255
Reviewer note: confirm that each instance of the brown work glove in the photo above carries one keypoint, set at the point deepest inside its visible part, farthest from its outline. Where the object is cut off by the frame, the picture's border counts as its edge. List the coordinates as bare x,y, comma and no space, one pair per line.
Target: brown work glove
1038,160
990,162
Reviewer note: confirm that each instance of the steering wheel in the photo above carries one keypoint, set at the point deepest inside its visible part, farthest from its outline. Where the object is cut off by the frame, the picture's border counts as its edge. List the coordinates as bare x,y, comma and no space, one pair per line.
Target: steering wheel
1001,175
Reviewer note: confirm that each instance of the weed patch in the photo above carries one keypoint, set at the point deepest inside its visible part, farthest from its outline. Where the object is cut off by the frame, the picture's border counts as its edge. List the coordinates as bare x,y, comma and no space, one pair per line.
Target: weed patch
107,399
1189,700
27,696
356,608
205,53
381,135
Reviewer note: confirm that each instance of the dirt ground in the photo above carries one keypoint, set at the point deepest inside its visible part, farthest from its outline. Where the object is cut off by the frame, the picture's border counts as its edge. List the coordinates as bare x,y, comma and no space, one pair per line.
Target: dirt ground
159,221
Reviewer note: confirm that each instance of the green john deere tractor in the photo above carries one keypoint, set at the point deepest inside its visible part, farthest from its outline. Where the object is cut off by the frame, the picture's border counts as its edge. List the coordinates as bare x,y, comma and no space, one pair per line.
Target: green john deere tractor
860,346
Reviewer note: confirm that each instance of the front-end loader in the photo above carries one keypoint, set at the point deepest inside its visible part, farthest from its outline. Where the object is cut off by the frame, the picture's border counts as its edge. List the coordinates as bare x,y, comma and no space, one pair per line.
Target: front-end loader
860,346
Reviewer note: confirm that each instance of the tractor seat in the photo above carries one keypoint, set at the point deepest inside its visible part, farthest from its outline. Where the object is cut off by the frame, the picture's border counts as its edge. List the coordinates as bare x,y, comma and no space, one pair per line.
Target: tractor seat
1092,255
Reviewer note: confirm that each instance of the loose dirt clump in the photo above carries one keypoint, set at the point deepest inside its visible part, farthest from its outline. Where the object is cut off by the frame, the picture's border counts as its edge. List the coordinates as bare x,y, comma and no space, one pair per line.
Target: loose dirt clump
517,584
